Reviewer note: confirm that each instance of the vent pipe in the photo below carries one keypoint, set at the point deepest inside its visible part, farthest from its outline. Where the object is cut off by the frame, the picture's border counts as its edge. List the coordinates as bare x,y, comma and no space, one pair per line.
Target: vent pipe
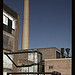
62,52
67,50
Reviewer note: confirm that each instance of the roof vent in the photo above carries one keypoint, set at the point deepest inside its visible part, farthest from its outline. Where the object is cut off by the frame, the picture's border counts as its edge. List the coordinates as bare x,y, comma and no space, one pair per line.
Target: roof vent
62,52
68,50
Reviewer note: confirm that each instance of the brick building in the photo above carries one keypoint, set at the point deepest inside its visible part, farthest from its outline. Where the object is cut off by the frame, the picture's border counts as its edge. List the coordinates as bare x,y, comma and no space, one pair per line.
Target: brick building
10,36
63,65
47,53
50,55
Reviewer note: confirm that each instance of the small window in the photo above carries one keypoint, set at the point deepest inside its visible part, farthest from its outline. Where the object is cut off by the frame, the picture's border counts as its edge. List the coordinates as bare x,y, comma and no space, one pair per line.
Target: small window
50,67
9,26
5,20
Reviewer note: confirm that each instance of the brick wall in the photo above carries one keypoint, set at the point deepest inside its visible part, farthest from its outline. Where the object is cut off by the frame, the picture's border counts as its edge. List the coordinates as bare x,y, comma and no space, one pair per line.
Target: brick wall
64,66
48,53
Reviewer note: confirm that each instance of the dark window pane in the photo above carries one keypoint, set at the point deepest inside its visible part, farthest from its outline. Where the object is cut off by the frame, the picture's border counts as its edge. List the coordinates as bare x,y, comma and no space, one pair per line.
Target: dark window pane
50,67
9,26
5,27
57,54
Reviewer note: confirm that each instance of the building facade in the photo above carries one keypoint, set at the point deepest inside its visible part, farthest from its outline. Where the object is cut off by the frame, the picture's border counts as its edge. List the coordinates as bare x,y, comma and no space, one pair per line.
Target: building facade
10,36
51,57
63,65
51,53
47,53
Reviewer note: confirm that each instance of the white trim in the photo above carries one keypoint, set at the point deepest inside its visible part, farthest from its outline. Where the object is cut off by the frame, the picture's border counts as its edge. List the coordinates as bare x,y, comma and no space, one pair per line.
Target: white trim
11,18
5,20
7,14
58,59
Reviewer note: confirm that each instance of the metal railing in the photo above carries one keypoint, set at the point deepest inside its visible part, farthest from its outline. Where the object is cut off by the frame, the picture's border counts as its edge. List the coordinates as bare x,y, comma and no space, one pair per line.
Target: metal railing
35,73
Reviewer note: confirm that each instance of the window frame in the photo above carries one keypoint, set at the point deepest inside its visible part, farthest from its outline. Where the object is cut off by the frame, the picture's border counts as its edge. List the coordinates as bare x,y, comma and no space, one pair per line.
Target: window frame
51,67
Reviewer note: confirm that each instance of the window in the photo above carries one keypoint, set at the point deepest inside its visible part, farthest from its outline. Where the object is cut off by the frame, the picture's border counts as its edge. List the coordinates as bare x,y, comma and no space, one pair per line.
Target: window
5,20
13,22
57,54
50,67
24,69
8,27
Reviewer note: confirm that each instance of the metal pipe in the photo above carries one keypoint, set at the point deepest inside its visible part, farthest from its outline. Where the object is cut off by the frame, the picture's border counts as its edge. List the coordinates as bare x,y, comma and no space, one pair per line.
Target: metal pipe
23,52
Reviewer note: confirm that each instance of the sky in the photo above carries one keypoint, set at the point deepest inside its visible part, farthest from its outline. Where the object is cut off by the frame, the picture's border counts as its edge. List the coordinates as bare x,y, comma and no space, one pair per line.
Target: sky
50,22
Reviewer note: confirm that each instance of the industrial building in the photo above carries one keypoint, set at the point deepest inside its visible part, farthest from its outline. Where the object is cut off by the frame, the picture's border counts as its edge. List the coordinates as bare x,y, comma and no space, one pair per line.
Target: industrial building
51,58
51,53
10,36
63,65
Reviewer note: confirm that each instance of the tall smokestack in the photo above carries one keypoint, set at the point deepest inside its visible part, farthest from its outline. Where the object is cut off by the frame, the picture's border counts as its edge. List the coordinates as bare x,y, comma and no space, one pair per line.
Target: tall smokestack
25,33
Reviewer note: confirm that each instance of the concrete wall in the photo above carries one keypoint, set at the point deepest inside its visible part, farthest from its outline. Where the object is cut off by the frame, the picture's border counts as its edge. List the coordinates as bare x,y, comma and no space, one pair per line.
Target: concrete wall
33,57
64,66
6,62
27,59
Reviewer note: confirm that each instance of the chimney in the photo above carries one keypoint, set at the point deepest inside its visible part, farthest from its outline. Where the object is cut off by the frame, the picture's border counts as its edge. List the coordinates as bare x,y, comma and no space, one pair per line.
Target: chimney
62,52
25,32
67,50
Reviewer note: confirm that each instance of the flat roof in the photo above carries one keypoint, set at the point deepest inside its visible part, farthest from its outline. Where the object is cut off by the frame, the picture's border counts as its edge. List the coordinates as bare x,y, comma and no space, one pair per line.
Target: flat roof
58,59
41,48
